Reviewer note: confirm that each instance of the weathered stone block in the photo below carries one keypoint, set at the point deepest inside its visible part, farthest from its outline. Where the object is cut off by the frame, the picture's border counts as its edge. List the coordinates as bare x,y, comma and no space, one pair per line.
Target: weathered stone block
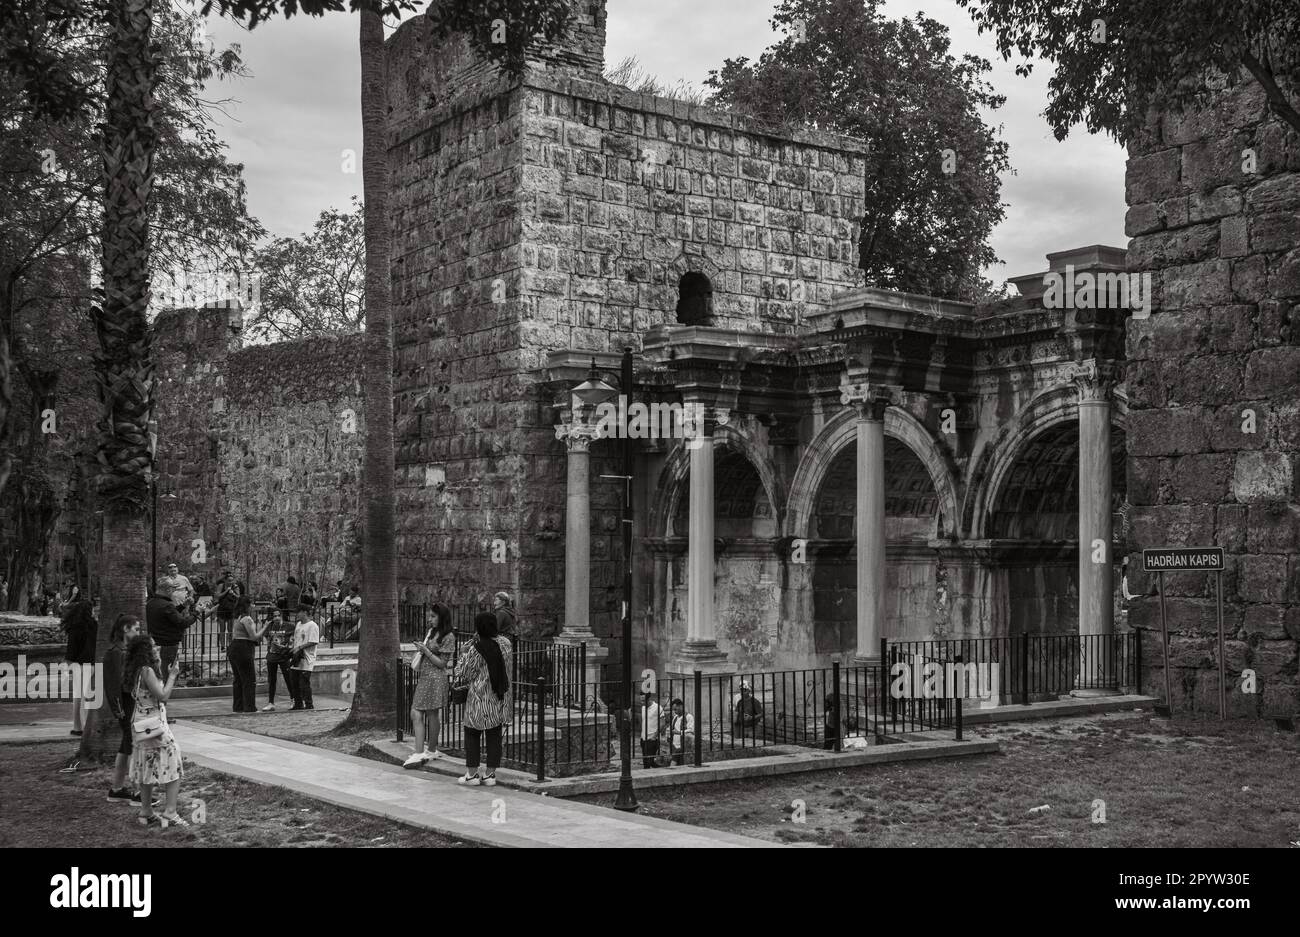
1168,431
1152,177
1198,284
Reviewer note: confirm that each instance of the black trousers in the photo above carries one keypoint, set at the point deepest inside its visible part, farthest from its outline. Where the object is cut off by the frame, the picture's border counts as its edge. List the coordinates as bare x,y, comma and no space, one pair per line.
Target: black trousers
241,657
649,749
301,689
474,739
281,668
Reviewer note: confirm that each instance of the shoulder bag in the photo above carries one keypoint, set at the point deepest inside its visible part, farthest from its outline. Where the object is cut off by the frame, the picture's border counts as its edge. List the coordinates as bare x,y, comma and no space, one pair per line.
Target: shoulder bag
148,731
459,694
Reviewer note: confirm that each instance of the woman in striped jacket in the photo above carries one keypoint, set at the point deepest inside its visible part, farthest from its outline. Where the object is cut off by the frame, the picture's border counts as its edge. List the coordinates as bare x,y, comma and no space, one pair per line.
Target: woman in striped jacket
485,668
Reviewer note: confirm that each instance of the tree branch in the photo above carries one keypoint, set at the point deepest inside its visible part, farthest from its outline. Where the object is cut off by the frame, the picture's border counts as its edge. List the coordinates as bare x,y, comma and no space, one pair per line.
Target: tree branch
1276,99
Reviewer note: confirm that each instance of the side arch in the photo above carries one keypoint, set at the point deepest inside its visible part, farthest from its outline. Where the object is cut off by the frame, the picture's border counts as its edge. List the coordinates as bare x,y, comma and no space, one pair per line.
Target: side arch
841,431
1049,409
672,488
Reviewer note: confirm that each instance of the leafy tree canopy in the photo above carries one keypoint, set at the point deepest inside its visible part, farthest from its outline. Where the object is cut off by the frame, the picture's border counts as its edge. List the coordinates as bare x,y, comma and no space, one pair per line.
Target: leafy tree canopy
1118,59
314,284
932,184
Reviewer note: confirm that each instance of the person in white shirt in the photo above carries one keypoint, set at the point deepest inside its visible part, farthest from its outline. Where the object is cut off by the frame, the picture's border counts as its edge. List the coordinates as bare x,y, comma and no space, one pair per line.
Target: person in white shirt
681,732
651,725
176,586
305,638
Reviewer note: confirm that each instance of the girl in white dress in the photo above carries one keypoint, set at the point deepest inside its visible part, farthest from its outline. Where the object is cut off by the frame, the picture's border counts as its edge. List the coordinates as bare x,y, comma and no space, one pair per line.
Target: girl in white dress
156,762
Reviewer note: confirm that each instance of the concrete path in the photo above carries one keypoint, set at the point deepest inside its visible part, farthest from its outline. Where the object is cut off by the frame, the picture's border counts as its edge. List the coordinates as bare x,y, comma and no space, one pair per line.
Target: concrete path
46,722
495,816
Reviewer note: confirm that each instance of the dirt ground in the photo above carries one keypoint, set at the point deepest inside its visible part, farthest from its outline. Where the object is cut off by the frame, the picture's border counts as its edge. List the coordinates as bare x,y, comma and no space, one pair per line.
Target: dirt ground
1187,784
40,806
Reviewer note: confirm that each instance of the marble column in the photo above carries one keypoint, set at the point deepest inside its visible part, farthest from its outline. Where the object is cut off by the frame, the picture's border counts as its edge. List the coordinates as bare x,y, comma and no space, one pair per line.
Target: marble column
701,651
578,437
871,402
1095,381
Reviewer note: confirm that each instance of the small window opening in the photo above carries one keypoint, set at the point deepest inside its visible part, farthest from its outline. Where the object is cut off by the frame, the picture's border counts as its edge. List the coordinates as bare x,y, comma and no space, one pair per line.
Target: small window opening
694,300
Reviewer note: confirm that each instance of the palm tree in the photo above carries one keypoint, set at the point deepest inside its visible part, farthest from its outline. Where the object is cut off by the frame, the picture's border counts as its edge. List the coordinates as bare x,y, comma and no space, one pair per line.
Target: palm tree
377,655
124,364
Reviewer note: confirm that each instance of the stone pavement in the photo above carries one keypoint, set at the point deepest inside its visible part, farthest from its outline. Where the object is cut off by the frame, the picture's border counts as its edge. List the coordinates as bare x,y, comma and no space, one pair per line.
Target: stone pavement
46,722
496,816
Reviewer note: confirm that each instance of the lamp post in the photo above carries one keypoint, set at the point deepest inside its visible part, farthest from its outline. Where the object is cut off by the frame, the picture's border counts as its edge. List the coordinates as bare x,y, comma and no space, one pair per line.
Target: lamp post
588,392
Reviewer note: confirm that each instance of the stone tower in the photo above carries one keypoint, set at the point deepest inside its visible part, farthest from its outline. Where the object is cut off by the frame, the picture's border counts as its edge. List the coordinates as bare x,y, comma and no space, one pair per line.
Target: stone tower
564,212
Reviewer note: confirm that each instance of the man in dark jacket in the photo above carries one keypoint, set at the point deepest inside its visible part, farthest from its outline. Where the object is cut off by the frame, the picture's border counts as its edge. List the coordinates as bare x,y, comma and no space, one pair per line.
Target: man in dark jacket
121,703
166,626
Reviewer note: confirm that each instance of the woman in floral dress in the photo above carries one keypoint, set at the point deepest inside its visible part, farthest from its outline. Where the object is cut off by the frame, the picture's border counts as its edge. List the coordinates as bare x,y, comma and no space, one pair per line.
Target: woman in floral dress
432,686
159,762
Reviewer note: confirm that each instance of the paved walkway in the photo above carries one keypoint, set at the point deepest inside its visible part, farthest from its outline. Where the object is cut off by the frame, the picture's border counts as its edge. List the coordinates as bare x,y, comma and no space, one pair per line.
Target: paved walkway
495,816
45,722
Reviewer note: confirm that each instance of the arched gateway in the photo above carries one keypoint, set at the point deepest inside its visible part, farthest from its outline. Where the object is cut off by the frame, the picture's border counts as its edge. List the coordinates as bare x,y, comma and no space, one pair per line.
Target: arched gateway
898,468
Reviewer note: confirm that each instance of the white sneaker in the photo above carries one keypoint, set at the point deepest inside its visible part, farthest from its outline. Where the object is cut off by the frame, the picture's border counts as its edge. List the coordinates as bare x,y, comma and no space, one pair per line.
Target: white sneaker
490,780
269,708
473,780
431,755
414,761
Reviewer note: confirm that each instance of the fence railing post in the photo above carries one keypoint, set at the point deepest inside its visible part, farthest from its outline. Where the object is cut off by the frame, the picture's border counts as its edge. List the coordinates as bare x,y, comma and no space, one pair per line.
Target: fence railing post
839,727
541,729
960,689
1137,660
399,691
582,676
1024,668
699,715
883,675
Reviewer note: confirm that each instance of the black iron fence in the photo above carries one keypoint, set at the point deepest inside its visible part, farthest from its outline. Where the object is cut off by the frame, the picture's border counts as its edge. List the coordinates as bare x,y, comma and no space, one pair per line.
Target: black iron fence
693,720
202,653
1025,668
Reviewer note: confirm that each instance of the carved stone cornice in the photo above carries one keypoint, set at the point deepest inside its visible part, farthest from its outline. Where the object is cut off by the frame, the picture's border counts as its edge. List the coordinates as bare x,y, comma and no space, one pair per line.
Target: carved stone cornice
1095,379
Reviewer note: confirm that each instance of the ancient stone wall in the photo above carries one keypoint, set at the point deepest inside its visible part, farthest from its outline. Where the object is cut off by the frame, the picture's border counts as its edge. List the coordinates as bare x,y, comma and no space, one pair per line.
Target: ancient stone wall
1214,393
261,447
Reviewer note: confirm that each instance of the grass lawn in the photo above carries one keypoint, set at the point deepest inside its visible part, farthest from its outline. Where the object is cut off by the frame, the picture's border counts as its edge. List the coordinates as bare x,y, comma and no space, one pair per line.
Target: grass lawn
1188,783
42,807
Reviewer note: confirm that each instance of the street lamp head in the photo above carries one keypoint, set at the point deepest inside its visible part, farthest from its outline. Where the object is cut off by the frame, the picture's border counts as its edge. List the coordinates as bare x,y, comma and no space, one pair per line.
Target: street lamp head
593,391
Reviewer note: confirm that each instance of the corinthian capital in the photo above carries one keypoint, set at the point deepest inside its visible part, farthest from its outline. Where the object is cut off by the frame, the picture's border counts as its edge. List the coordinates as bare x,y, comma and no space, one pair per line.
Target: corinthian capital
577,436
1095,378
870,399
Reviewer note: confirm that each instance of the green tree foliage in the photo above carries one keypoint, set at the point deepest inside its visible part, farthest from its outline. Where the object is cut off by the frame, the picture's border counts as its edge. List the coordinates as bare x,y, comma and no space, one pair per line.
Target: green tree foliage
313,284
932,182
1116,60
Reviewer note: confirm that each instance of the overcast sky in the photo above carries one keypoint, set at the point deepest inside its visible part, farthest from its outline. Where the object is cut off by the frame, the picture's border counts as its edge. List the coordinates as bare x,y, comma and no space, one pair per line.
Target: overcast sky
300,109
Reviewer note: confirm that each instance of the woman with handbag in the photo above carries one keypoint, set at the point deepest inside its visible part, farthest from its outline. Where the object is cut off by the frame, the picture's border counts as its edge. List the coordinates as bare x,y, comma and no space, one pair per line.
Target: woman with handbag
432,686
242,654
279,655
155,756
484,671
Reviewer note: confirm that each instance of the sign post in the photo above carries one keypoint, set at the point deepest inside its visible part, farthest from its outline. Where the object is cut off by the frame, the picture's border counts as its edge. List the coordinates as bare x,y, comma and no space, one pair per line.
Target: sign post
1189,560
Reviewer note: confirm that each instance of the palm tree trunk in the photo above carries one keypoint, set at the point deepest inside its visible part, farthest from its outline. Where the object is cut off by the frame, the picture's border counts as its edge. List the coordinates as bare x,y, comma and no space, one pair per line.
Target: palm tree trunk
377,667
124,365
